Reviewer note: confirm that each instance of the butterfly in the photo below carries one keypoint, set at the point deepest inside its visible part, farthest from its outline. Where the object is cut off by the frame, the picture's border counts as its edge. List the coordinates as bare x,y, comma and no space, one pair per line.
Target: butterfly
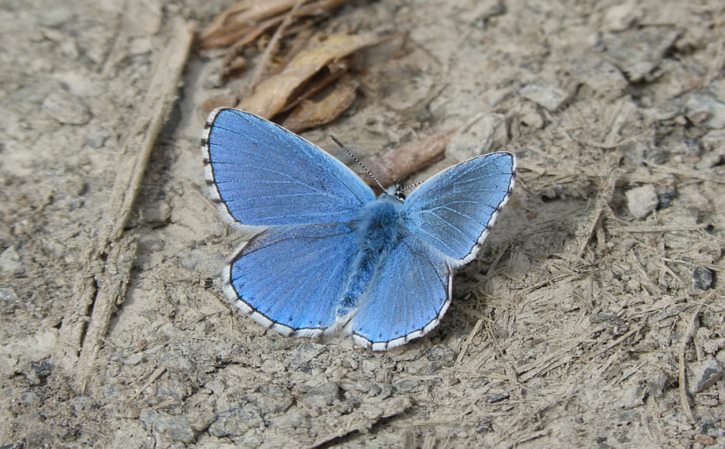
328,256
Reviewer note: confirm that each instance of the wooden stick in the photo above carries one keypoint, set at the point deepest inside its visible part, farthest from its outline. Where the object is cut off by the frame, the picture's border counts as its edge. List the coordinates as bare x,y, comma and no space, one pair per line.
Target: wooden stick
107,265
404,160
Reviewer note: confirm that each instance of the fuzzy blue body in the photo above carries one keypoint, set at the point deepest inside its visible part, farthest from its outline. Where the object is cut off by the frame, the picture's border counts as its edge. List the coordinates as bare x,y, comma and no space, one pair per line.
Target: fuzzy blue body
377,232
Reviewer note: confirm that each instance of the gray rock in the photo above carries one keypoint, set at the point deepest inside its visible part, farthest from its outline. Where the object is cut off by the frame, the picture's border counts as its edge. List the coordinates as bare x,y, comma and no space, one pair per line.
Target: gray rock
322,395
10,261
486,133
8,294
621,16
633,396
134,359
641,201
705,110
81,404
657,385
497,397
66,108
174,428
705,374
703,278
602,77
548,97
157,214
235,422
406,385
482,10
709,160
97,138
638,52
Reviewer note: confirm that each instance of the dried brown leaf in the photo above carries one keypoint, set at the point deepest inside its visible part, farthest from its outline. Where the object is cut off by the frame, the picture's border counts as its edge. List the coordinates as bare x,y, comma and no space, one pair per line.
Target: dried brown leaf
249,17
272,95
241,17
311,113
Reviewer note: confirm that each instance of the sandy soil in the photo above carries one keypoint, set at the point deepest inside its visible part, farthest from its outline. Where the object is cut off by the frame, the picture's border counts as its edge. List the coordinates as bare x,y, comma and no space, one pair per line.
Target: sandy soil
593,317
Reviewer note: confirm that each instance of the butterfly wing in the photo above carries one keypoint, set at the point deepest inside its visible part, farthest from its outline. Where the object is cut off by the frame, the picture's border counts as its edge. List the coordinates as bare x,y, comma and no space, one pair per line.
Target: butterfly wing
260,174
291,279
407,297
446,220
453,211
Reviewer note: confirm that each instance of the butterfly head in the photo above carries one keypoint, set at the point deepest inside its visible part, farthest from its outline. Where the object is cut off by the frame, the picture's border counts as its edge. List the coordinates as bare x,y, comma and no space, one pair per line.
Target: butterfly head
396,191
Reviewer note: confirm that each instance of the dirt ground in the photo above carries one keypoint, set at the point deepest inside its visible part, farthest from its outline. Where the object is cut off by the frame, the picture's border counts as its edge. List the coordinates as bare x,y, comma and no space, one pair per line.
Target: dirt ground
593,317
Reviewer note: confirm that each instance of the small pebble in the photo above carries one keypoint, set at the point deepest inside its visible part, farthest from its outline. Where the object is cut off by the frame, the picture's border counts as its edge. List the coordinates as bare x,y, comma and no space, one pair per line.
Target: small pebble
548,97
641,201
405,385
8,294
66,108
622,16
322,395
637,52
10,261
497,397
175,428
703,278
235,422
705,374
603,77
709,160
157,214
705,110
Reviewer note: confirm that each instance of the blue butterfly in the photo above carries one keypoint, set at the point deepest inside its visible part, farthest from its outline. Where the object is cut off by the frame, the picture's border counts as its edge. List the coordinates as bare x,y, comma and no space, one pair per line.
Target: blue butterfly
333,258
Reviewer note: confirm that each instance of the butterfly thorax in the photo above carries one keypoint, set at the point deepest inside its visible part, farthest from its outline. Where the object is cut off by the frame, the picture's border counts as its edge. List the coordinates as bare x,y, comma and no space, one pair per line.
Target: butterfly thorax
378,230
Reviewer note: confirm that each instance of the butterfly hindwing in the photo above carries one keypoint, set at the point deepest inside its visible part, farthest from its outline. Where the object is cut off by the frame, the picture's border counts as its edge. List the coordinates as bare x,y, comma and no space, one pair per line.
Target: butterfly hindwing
453,211
260,174
406,298
291,279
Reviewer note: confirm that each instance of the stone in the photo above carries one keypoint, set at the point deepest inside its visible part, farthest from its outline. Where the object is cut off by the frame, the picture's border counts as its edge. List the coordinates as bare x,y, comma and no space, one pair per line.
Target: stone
497,397
175,428
405,385
97,138
157,214
322,395
66,108
641,201
81,405
603,77
486,133
548,97
622,16
638,52
703,278
10,261
8,294
235,422
705,374
705,110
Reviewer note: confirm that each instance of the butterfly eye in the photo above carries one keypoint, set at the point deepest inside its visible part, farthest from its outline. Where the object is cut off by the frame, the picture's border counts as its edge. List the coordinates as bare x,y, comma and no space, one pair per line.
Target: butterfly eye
400,195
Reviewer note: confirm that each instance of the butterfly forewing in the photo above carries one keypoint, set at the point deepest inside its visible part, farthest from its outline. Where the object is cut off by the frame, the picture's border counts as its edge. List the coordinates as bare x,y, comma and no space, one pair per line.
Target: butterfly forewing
263,175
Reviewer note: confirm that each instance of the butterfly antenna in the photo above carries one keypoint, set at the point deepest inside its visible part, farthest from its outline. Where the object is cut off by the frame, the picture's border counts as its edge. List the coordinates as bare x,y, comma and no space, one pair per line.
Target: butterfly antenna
408,187
354,158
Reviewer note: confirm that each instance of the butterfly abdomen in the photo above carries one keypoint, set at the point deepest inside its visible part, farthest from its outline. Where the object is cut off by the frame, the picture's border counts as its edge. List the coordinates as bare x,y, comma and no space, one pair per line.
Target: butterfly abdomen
378,232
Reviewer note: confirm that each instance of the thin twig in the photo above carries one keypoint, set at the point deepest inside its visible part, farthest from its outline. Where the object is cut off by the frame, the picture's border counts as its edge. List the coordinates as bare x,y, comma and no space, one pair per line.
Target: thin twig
158,372
682,373
467,343
272,45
